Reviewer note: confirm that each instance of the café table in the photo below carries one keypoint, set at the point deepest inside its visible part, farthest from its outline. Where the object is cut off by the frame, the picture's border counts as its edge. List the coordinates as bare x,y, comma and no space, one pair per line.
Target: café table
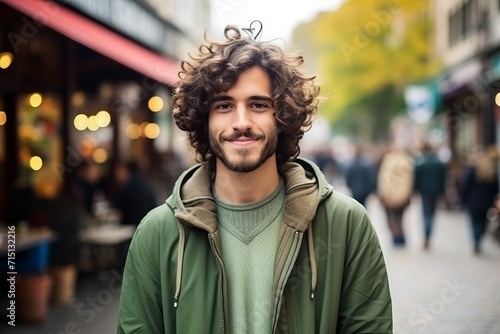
106,243
106,235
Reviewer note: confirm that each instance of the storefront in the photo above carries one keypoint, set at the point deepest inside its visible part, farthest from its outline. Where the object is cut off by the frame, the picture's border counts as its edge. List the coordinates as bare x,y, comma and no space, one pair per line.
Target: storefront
465,109
80,80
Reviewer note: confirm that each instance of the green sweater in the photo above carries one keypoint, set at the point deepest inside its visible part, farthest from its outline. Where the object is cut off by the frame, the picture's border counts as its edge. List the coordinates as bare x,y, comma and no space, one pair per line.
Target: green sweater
249,240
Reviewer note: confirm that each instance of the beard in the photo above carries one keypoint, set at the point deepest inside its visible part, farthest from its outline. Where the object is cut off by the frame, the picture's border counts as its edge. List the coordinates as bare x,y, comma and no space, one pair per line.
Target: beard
241,161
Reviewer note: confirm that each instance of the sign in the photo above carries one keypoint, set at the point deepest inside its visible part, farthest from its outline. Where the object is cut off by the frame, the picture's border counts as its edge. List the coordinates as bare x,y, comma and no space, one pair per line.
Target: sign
420,102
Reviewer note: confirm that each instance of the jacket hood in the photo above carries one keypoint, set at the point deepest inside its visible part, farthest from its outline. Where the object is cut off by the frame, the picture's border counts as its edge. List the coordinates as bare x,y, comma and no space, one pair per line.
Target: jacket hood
306,185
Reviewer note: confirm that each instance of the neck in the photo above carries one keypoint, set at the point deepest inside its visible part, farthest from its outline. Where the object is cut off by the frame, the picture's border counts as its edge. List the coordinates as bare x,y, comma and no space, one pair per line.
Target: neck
244,188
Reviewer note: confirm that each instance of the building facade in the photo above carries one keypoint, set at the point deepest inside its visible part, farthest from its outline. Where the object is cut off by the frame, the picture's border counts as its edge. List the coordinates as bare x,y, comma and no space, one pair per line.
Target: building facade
467,40
88,80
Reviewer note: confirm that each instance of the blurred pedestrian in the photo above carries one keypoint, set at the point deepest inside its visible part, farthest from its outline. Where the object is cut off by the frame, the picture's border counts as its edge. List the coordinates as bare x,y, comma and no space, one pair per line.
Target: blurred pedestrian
253,239
135,196
66,218
323,157
85,185
395,188
360,176
478,192
430,181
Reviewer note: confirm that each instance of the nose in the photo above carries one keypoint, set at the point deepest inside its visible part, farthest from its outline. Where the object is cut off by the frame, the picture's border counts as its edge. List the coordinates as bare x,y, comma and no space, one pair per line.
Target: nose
241,120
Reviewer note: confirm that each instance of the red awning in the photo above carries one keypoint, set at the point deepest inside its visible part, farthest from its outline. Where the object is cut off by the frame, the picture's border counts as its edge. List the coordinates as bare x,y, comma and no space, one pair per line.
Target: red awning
100,39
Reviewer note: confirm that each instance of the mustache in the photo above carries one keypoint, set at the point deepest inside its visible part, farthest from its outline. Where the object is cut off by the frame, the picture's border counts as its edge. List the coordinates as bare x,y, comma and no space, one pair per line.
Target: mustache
247,134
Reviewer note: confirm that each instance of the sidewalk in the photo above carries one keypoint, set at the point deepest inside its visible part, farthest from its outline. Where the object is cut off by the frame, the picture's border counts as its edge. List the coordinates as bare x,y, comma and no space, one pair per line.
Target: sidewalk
93,311
447,289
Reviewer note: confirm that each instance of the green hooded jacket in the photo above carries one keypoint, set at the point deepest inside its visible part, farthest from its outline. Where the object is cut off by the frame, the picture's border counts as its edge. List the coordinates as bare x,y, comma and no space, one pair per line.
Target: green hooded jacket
330,274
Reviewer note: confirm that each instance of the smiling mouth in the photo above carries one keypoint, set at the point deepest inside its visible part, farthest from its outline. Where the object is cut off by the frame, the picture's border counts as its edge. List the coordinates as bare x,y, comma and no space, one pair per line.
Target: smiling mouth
242,141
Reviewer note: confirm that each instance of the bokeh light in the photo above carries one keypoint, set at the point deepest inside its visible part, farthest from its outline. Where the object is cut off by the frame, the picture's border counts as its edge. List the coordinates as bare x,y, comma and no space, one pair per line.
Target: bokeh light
6,59
81,122
78,99
100,155
35,100
155,103
133,131
36,163
93,125
86,148
152,130
103,118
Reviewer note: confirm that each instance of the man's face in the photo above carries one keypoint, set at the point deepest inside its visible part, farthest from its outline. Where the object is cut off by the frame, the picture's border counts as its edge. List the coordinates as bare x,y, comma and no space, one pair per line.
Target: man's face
242,127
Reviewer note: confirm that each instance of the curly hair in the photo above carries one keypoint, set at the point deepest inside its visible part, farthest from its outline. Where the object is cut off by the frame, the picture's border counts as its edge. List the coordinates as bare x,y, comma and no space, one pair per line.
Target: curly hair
216,69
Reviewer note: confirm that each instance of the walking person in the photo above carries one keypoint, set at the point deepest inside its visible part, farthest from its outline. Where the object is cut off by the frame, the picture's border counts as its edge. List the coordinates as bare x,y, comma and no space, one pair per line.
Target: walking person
478,192
253,239
430,180
360,177
394,188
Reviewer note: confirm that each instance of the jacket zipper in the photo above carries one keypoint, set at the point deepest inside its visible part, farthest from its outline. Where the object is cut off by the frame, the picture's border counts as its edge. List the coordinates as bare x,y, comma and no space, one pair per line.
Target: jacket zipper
221,287
294,249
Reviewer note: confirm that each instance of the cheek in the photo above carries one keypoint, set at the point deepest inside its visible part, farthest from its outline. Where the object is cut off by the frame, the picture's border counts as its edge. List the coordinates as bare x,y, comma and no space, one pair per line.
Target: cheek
213,120
217,123
271,125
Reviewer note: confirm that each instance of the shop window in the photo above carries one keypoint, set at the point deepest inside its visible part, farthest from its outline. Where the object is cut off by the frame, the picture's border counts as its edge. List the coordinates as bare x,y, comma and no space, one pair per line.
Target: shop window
461,21
467,18
454,27
40,143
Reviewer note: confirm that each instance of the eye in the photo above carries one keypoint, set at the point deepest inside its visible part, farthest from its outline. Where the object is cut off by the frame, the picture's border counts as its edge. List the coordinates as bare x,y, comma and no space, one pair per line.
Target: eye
222,107
259,106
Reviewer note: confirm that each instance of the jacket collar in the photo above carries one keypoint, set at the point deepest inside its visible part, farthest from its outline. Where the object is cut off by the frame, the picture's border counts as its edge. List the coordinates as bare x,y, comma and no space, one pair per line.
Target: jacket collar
306,185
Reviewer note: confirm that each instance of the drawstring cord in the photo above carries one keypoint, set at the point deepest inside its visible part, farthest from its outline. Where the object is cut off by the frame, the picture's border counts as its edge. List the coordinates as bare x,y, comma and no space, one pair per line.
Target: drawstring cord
312,259
180,259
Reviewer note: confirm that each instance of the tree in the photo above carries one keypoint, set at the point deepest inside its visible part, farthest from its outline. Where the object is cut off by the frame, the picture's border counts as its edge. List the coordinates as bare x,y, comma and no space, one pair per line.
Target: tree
365,53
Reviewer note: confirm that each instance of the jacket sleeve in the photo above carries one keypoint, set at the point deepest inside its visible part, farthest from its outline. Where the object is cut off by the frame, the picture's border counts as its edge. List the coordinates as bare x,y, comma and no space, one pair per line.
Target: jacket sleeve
140,309
365,305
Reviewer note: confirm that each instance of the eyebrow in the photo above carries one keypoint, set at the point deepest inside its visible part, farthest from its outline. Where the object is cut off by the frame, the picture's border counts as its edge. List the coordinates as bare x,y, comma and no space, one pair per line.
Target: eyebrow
220,98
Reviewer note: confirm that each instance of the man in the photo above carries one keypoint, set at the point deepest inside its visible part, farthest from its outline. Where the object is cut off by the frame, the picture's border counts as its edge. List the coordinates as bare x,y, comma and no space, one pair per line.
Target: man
430,181
253,239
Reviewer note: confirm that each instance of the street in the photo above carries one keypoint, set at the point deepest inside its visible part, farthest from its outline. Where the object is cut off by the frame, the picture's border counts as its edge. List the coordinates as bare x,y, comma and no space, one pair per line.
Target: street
446,289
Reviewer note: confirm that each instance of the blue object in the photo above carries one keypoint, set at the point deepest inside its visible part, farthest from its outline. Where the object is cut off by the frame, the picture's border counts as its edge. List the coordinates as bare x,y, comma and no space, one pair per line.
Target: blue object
32,261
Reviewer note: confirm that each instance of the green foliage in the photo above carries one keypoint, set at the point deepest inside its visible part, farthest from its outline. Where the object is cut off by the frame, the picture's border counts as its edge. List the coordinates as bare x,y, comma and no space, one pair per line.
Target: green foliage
364,54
